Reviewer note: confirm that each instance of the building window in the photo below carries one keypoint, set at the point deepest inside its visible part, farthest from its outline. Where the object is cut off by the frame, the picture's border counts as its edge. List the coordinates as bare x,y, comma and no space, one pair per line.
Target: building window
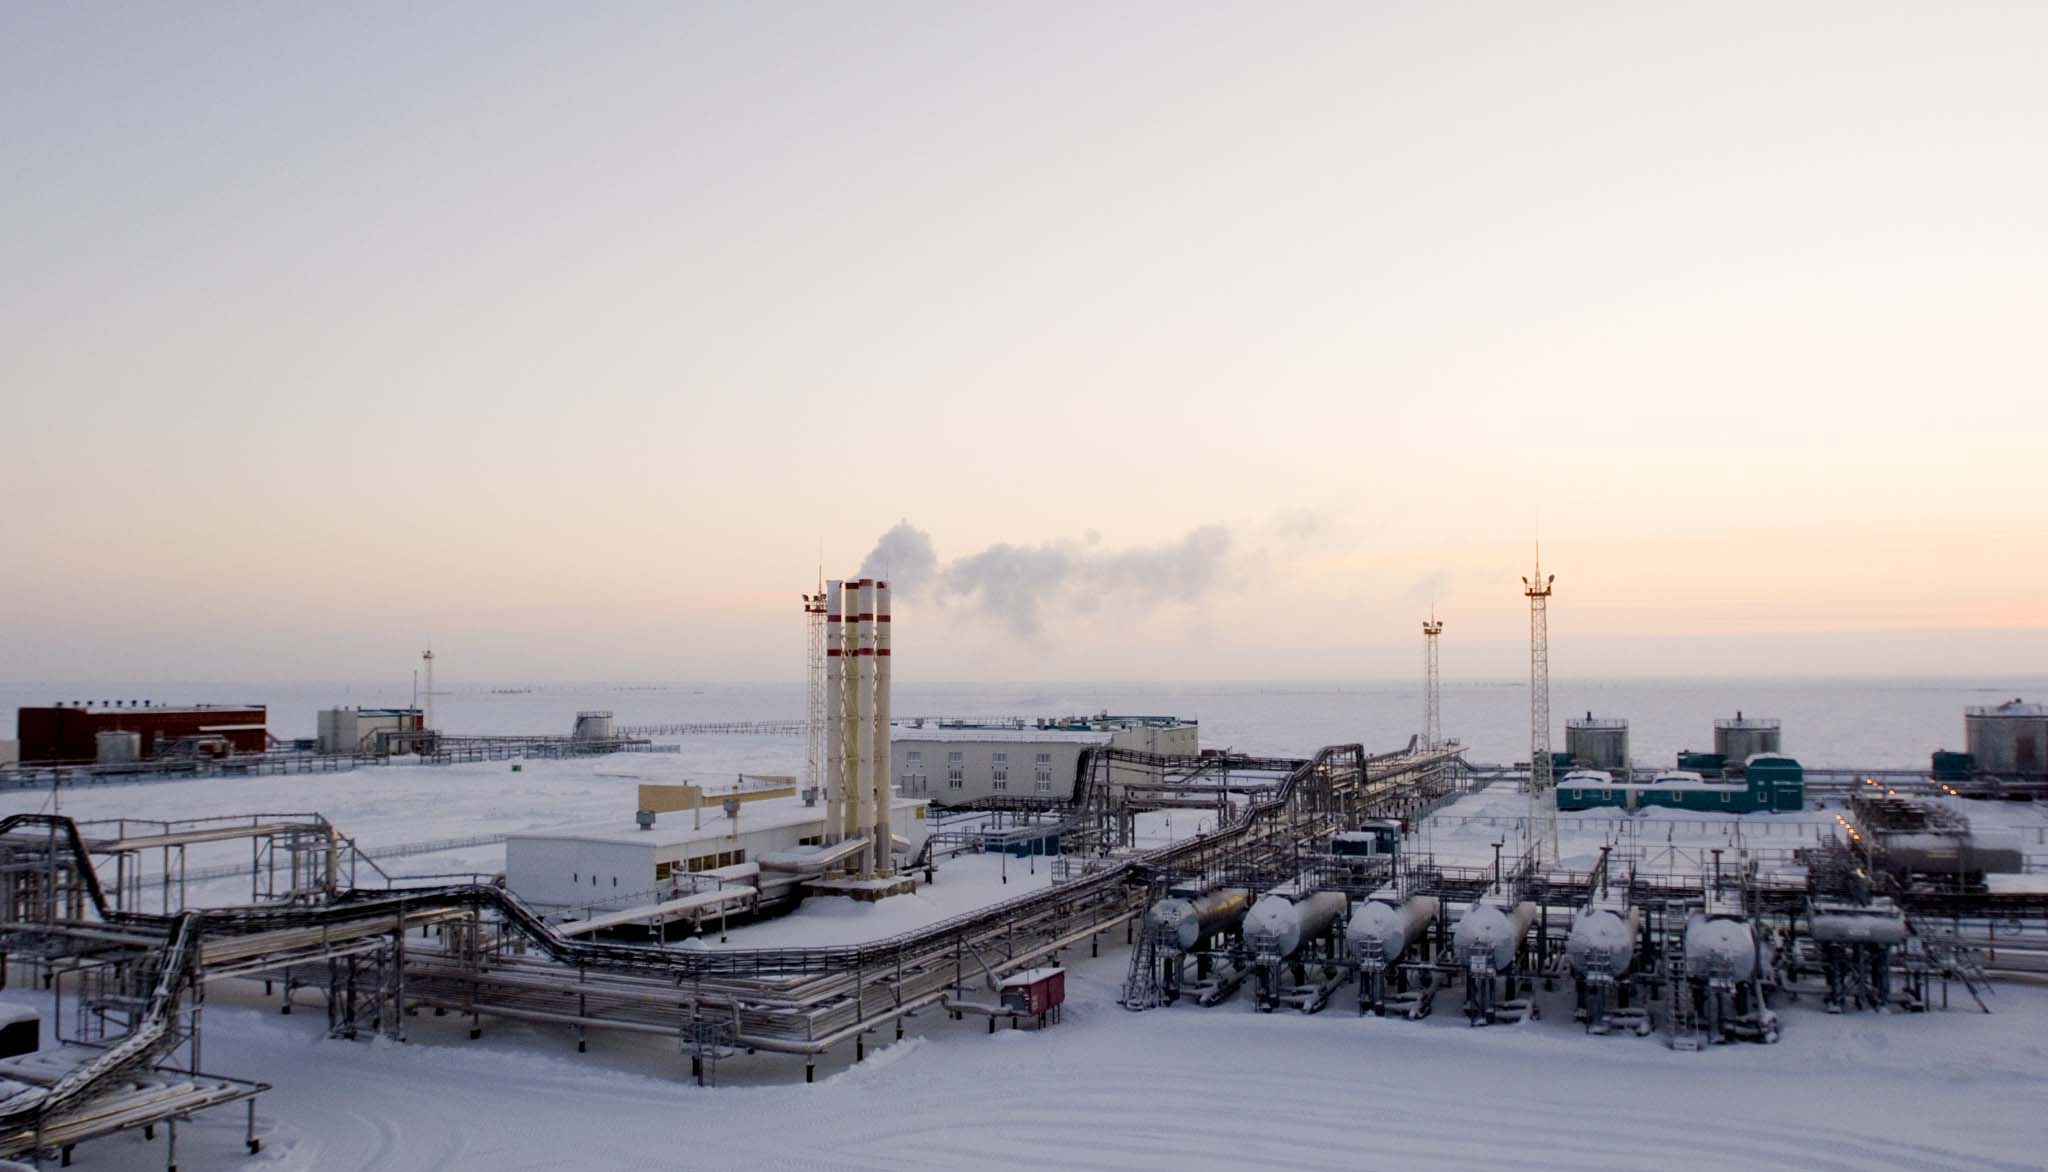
956,771
1043,772
999,771
915,760
663,871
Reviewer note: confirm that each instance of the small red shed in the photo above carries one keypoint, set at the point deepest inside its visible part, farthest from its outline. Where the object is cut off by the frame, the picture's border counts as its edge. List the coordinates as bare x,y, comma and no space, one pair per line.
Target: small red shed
1038,992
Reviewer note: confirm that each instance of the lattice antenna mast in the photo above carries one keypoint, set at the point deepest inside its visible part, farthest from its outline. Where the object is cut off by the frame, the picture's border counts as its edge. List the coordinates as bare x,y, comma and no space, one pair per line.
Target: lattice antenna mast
1542,795
1432,728
814,687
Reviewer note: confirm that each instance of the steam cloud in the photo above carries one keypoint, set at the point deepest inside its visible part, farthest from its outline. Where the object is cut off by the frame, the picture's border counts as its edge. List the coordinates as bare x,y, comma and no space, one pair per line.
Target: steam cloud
1014,582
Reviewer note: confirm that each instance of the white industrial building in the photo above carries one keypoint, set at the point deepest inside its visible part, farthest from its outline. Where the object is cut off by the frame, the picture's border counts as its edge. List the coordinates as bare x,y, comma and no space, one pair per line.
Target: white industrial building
354,730
756,846
955,763
692,854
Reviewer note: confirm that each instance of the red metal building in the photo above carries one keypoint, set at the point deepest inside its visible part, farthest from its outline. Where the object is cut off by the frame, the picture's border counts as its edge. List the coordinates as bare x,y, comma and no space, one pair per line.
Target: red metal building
70,732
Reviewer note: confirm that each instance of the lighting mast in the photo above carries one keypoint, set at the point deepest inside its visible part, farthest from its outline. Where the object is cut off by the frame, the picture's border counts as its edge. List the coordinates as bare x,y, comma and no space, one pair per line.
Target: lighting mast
814,689
1432,729
427,717
1542,795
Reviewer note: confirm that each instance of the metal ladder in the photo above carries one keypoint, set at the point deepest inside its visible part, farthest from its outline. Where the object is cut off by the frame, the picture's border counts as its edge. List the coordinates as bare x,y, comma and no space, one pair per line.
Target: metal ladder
1955,961
1141,984
1681,1016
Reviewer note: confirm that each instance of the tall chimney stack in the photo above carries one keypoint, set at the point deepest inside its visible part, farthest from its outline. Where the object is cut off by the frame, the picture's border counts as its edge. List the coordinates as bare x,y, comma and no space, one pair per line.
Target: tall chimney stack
835,713
864,730
884,826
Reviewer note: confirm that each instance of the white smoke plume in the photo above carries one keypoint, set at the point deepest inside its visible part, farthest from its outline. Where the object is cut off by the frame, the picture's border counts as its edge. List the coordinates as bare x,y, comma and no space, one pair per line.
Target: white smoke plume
1014,582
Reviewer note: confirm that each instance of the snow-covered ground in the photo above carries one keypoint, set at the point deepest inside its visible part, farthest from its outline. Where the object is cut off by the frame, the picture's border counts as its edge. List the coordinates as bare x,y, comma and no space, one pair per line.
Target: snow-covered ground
1183,1088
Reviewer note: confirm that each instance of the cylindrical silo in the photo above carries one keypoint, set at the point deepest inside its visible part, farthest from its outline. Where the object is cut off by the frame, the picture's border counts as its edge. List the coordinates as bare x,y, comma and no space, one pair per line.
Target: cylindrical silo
1597,742
2008,738
593,726
1744,737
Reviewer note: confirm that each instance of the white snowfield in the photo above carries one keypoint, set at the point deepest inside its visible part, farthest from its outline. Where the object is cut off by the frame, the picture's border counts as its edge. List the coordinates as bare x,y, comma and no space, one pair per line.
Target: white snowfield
1182,1089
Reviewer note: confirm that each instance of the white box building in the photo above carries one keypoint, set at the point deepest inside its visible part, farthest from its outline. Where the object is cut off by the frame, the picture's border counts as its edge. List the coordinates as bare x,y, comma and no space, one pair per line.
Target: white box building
354,730
616,864
957,763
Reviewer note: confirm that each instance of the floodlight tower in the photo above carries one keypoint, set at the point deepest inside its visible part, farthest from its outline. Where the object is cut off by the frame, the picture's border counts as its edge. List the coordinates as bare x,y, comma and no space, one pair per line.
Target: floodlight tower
814,687
1542,797
427,717
1432,729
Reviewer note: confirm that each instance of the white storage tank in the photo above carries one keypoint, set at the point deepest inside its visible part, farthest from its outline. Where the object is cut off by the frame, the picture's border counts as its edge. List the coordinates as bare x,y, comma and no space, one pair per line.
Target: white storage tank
1280,924
1879,922
117,748
1493,930
1719,946
2008,738
1603,939
1187,920
1597,742
1744,737
1385,926
593,726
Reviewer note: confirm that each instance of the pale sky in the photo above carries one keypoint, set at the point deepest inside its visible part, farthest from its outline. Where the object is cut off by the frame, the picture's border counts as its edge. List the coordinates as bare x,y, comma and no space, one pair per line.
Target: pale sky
568,339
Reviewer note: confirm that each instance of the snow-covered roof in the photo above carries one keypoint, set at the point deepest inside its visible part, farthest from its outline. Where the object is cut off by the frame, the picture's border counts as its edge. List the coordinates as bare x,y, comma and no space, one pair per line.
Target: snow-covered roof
2012,707
683,826
1005,735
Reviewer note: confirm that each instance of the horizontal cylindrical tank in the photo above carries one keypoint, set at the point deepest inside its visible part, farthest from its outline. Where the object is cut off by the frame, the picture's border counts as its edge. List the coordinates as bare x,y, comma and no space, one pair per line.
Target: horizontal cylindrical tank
1842,924
1740,739
1381,930
1603,939
1719,946
1189,920
117,748
1280,926
1493,930
1973,852
2008,738
1596,743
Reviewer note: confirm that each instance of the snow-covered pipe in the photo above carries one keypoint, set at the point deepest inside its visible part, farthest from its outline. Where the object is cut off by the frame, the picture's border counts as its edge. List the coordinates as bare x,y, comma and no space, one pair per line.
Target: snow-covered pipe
883,782
809,860
835,713
1278,926
1719,946
1383,929
1603,939
1493,931
1191,920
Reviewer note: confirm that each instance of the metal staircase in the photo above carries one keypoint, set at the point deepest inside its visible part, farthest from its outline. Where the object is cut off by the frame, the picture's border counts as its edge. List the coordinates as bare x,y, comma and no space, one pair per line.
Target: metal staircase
1681,1017
1950,959
1141,984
